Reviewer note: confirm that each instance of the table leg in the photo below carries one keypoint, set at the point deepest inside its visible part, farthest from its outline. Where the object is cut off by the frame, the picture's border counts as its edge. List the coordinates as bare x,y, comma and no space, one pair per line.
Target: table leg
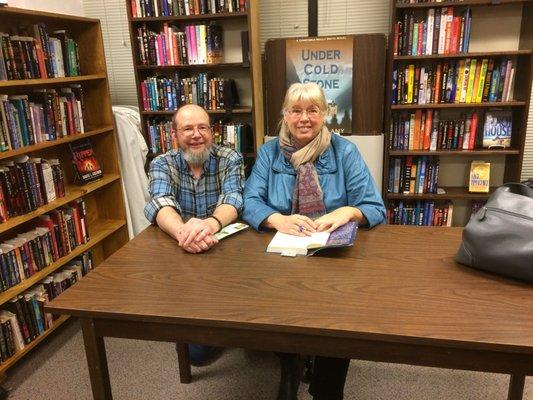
516,387
96,360
184,363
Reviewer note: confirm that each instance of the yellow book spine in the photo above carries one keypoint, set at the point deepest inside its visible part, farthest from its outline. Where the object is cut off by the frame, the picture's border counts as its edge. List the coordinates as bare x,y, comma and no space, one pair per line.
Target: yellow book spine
464,84
471,79
459,82
410,83
481,84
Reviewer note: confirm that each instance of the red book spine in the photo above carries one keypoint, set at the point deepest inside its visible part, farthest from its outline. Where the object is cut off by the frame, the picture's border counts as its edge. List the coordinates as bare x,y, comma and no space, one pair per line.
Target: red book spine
77,222
473,130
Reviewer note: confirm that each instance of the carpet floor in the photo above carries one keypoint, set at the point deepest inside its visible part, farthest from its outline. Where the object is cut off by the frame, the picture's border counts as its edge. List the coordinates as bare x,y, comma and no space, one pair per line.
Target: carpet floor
139,370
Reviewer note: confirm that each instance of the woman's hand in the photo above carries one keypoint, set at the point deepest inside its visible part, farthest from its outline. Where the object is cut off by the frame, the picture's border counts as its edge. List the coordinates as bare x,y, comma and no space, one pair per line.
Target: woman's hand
296,224
339,217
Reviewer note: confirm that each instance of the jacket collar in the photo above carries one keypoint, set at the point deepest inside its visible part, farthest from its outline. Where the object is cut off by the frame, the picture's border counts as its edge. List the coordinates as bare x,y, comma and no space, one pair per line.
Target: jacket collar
325,164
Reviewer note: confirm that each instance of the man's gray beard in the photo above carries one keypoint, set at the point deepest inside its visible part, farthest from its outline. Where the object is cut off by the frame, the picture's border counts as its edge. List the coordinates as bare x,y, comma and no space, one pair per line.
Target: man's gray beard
196,158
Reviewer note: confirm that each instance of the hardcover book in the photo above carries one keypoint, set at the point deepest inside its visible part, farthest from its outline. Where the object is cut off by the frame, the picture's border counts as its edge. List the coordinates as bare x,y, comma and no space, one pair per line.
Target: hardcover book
497,129
479,177
290,245
86,165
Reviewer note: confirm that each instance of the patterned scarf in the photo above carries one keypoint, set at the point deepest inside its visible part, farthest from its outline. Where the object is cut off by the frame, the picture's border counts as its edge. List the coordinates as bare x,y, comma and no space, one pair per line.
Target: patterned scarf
307,197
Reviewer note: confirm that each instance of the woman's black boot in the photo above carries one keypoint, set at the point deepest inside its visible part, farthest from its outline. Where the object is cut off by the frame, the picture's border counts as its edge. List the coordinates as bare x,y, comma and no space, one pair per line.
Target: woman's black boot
291,373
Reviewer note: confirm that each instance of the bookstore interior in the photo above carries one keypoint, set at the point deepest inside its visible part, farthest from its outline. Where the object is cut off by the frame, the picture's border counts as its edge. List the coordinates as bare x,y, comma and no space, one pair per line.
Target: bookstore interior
401,140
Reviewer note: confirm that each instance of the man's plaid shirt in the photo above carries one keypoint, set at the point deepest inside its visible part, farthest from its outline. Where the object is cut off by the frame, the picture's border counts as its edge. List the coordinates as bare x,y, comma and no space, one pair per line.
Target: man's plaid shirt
172,184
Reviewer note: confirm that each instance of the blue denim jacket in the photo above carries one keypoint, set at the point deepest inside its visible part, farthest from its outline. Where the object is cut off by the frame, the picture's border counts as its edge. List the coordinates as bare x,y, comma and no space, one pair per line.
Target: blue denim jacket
342,173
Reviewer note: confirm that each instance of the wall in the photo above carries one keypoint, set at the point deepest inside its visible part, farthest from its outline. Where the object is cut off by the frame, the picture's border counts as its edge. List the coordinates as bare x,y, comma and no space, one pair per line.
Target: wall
71,7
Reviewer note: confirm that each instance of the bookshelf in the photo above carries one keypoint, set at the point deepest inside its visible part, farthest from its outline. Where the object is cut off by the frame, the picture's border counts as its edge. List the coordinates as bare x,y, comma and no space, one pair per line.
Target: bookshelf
106,225
247,75
499,31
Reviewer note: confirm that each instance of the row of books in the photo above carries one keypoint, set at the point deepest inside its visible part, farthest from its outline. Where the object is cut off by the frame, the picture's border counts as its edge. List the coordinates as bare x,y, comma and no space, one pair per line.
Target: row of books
211,93
35,54
426,1
467,80
423,130
167,8
27,184
54,236
420,212
195,44
439,32
44,114
413,175
23,319
161,135
237,136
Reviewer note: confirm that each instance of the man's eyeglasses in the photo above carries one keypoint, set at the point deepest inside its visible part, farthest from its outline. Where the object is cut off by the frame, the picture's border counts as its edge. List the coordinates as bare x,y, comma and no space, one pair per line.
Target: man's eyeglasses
311,112
189,130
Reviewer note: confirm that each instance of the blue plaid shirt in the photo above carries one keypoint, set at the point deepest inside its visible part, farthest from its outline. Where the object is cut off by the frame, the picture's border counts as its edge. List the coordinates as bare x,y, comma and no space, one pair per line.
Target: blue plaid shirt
172,184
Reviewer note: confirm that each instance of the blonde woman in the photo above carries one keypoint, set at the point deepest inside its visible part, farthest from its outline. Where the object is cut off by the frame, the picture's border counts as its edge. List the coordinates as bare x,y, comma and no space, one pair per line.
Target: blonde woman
307,181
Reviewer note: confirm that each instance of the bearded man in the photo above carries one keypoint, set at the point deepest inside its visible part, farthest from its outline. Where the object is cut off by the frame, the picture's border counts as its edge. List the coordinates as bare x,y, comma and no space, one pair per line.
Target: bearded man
195,191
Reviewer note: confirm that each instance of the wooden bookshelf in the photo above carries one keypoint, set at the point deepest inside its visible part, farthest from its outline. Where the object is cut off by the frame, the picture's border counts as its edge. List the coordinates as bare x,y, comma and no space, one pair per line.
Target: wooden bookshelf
54,143
247,76
211,67
465,55
106,217
510,159
479,152
451,193
488,104
192,18
11,361
50,81
472,3
72,192
240,110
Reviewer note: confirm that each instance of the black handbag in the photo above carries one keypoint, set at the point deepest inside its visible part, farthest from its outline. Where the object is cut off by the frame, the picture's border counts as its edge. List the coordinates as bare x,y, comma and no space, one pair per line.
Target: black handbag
499,237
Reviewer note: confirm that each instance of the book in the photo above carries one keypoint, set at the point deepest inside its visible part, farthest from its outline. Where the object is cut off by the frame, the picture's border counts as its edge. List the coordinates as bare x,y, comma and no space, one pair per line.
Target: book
86,165
479,177
230,229
497,129
290,245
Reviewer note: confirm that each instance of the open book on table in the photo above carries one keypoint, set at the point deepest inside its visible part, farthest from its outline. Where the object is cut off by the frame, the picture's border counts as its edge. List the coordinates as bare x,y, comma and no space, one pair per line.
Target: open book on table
290,245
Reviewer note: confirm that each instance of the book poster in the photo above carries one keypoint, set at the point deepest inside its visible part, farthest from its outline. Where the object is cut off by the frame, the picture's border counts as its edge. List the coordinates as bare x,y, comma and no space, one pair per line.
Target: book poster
328,61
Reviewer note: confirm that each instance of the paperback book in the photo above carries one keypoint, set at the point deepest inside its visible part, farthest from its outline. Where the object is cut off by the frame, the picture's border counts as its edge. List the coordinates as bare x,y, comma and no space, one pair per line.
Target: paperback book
86,165
290,245
479,177
497,129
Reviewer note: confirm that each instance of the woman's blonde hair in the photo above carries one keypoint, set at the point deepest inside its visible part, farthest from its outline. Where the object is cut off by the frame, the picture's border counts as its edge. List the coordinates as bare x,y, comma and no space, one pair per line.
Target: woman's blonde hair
310,92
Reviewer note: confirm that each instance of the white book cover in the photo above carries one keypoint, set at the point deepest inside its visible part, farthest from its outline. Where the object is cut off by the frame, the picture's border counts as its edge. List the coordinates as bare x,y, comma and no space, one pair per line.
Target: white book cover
510,91
442,30
423,85
290,245
431,23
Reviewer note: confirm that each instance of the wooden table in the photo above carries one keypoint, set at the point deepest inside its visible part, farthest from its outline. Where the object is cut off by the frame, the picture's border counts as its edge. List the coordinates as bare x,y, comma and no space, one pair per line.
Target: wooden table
396,296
